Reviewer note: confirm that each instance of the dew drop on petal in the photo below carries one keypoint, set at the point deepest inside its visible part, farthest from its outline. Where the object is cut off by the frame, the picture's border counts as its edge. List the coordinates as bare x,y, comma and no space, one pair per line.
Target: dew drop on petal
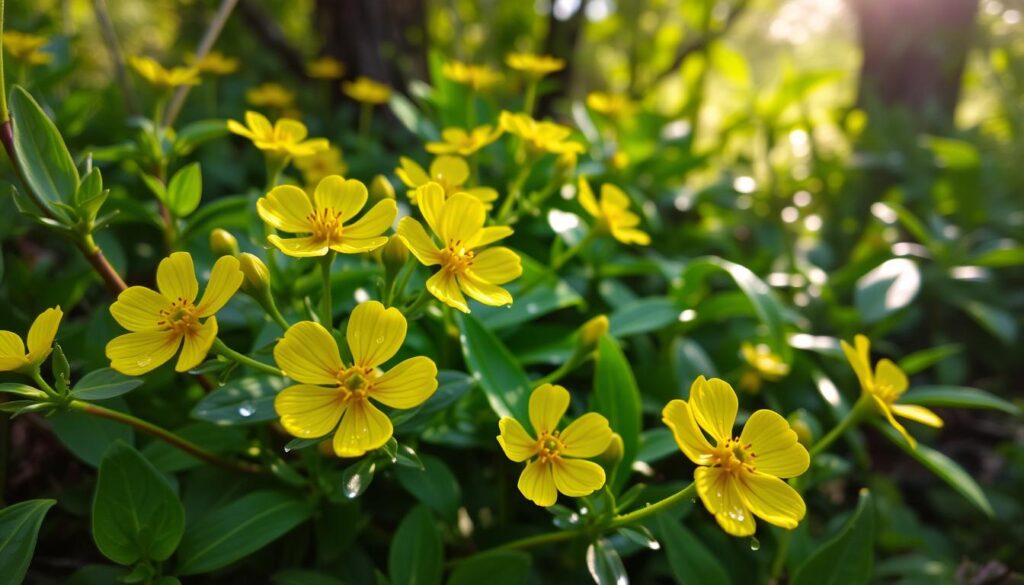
755,544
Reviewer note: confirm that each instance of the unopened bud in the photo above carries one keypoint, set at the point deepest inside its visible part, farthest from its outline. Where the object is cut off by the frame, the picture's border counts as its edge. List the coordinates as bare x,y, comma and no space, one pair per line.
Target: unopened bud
612,454
591,333
223,243
381,189
257,276
394,254
805,426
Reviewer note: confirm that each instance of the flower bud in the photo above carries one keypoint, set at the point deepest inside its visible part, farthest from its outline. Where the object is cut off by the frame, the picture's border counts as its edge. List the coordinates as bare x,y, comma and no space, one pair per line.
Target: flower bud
223,243
612,455
257,276
805,426
591,333
381,189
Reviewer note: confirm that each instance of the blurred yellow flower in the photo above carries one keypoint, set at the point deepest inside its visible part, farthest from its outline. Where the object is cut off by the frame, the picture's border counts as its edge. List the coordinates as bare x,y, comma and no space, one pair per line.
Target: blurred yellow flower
534,65
612,213
285,137
14,358
367,91
450,172
478,77
160,322
764,365
885,386
459,223
316,166
26,47
270,95
540,136
214,63
335,202
329,391
610,104
461,142
557,464
738,476
325,67
159,76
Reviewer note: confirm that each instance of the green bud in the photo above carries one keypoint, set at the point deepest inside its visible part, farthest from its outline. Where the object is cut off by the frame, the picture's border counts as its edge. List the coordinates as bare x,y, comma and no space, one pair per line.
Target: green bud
612,455
223,243
381,189
591,333
805,426
257,275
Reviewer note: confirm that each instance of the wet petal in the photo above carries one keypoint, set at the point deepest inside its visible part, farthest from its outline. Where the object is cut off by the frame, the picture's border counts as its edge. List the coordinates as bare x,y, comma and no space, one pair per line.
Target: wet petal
419,243
678,416
306,247
307,353
548,404
517,444
374,223
771,499
446,289
197,345
406,385
225,278
309,411
775,445
451,170
338,196
587,436
134,354
714,404
363,428
718,490
538,484
918,414
375,334
138,308
286,208
497,265
354,246
484,292
576,478
176,277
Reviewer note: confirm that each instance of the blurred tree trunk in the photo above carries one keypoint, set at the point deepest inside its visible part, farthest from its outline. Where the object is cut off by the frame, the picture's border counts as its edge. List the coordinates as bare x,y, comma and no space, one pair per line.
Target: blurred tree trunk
563,35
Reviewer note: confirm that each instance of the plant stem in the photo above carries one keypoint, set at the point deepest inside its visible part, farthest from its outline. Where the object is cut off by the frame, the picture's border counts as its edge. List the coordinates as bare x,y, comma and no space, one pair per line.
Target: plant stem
221,349
38,379
860,408
276,315
114,48
531,96
514,189
413,310
327,308
165,436
558,374
209,38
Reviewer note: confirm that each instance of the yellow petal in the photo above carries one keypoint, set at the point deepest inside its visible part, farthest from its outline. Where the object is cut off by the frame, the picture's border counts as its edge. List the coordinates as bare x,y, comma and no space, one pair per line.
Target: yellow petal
308,148
286,208
41,334
630,236
363,428
375,334
374,223
585,195
11,346
771,499
678,417
775,445
258,124
918,414
236,127
587,436
718,490
354,246
307,353
134,354
889,374
225,278
446,289
176,277
489,235
306,247
886,411
860,361
197,345
309,411
485,194
461,218
431,199
338,196
515,442
290,130
411,173
138,308
484,292
714,405
538,484
548,404
406,385
419,243
614,198
577,478
450,170
497,265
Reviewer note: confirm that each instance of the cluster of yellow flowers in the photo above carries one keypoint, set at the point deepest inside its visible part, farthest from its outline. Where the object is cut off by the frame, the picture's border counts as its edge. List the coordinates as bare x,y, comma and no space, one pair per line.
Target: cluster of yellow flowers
27,47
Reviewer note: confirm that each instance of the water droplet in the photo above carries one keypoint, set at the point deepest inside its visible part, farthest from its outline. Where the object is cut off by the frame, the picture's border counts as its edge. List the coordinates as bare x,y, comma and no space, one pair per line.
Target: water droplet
693,500
287,449
354,486
246,410
755,544
144,361
532,308
380,340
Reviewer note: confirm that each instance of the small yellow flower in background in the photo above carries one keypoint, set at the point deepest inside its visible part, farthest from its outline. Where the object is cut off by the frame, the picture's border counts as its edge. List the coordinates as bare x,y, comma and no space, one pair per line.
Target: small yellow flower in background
534,65
270,95
478,77
540,136
764,365
739,477
557,464
316,166
325,67
14,358
612,213
610,104
26,47
367,91
885,386
160,322
330,391
463,143
459,223
285,137
450,172
214,63
335,201
159,76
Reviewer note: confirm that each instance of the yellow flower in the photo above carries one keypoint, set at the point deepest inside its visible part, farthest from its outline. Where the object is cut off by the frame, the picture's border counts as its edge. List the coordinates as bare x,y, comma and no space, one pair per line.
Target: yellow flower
160,321
450,172
463,143
335,202
286,137
158,75
367,91
535,65
14,358
478,77
318,165
885,386
459,223
764,365
325,67
738,477
540,136
214,63
610,104
613,213
330,390
270,95
25,46
555,466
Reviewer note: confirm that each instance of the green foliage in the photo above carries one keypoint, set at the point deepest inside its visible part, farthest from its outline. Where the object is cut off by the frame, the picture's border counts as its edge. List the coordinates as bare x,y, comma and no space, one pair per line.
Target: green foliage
19,528
416,553
848,556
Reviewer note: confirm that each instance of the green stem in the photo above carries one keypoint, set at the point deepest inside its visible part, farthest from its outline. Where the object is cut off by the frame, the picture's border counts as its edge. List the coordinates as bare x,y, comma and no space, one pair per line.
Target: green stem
514,189
276,315
221,349
531,97
558,374
413,310
398,287
862,406
38,379
327,308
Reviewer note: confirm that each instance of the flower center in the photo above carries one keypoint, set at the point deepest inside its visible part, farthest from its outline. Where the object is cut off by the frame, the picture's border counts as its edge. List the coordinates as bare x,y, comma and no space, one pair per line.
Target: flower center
733,455
455,258
181,317
355,383
549,446
886,393
326,224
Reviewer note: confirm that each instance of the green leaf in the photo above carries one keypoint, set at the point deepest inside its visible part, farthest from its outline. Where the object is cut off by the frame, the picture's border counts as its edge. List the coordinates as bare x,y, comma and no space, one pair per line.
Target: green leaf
502,378
434,485
604,564
416,553
450,387
690,560
303,577
888,288
135,514
213,438
548,295
1000,323
243,401
185,190
19,527
89,437
239,529
103,384
196,133
616,397
847,557
411,118
957,397
48,168
19,389
1001,257
926,358
643,316
494,568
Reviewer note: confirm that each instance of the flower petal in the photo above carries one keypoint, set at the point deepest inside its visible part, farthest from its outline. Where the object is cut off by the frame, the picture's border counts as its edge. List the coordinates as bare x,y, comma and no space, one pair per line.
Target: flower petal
587,436
411,173
486,293
338,196
771,499
375,334
774,444
354,246
446,289
917,414
138,308
497,265
406,385
286,208
576,478
363,428
548,404
450,170
289,130
11,346
419,243
134,354
258,124
714,405
537,483
225,278
489,235
585,196
176,277
886,411
431,200
517,444
859,359
614,198
889,374
678,417
630,236
718,490
41,334
307,353
462,217
197,345
305,247
374,222
309,411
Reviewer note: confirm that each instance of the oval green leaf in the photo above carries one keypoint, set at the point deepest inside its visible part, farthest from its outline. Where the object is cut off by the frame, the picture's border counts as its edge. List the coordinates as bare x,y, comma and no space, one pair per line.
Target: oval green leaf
19,527
416,554
502,378
846,559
